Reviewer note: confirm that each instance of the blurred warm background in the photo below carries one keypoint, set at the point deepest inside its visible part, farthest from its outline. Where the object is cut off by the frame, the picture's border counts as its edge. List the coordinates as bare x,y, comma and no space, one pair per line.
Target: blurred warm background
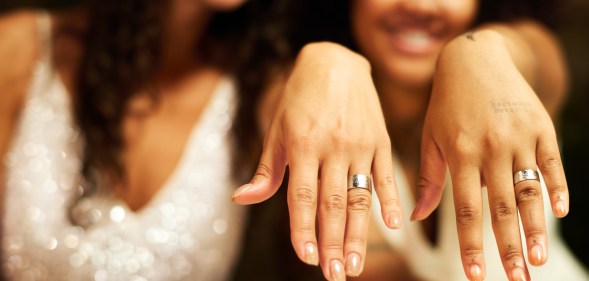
574,128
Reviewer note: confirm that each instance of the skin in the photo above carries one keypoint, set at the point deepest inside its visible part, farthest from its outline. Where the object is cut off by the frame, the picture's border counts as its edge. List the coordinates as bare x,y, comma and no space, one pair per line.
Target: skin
414,43
358,144
311,122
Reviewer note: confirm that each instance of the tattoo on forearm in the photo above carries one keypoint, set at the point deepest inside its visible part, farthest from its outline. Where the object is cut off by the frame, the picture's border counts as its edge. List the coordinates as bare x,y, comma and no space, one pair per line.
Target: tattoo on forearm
510,106
470,36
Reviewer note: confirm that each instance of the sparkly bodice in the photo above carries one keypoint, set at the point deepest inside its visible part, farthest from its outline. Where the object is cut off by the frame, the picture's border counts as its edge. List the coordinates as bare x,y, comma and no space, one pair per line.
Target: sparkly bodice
189,231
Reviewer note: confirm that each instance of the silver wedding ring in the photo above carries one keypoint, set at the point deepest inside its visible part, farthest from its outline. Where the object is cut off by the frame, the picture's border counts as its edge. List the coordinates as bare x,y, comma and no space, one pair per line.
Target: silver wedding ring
360,181
524,175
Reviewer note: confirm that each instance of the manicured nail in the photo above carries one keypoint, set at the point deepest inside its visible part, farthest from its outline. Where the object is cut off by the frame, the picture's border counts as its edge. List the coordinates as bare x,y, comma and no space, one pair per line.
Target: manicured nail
241,190
394,220
336,271
518,274
560,208
475,273
353,264
536,254
311,256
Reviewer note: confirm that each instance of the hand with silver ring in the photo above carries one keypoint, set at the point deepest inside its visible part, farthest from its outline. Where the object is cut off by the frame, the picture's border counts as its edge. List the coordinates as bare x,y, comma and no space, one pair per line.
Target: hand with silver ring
524,175
489,127
327,131
360,181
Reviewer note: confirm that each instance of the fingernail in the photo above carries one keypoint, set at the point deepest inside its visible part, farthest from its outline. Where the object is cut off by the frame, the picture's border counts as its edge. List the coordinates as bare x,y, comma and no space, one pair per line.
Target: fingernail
353,264
241,190
536,254
560,208
394,220
336,271
311,256
475,273
518,274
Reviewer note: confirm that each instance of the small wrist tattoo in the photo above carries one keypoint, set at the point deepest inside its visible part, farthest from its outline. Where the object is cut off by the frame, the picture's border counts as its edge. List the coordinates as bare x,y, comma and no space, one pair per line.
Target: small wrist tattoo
470,36
510,106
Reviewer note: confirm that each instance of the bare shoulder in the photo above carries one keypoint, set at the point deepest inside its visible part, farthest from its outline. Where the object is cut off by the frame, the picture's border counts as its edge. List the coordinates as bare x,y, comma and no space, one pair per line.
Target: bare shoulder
18,36
18,52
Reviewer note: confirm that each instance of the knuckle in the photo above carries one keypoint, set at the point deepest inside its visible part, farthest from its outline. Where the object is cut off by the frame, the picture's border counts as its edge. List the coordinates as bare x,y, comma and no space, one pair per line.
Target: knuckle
467,215
528,193
471,252
356,241
550,162
534,233
386,181
333,245
503,211
264,170
359,202
426,184
340,141
304,196
463,149
334,203
390,203
511,254
557,188
302,143
304,229
496,140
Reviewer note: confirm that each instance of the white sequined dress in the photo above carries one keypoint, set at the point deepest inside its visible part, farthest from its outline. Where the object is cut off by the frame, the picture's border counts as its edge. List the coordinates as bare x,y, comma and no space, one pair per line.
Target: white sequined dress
189,231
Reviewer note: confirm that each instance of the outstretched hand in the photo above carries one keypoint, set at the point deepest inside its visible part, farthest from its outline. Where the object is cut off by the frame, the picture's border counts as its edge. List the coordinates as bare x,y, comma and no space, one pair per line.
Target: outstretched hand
486,123
328,127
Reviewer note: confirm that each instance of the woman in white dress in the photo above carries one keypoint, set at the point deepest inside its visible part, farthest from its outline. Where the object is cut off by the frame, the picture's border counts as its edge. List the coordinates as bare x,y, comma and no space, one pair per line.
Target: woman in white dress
120,122
468,88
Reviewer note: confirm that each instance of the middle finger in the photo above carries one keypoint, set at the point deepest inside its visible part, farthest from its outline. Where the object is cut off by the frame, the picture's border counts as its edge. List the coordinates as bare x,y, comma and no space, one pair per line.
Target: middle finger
332,217
358,216
504,216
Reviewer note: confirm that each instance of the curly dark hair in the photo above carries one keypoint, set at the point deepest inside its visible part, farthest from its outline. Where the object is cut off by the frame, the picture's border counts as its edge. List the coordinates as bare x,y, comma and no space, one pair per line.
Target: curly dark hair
122,51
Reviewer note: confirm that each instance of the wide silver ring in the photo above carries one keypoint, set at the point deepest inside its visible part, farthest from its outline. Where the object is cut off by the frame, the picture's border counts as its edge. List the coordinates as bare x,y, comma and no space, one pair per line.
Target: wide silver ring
524,175
360,181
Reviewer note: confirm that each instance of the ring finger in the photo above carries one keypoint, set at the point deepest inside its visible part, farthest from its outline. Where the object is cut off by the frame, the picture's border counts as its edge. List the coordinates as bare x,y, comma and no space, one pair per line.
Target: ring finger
528,194
358,217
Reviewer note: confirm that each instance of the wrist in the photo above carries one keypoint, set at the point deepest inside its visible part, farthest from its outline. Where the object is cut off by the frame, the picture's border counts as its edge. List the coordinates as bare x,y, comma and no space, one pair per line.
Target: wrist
333,56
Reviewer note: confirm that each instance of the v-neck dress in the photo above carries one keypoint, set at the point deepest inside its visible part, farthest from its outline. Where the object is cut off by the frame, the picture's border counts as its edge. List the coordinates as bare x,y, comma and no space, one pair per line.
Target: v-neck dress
189,231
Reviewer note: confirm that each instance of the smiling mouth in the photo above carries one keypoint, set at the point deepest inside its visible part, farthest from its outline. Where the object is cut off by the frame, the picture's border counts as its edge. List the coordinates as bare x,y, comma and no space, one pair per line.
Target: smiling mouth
414,38
414,41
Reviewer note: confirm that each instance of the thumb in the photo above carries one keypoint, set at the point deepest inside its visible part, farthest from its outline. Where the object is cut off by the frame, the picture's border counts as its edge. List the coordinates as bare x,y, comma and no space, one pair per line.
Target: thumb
267,178
432,176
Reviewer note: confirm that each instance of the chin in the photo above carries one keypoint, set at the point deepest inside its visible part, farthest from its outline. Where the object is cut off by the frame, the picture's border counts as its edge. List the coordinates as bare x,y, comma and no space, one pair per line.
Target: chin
224,5
410,73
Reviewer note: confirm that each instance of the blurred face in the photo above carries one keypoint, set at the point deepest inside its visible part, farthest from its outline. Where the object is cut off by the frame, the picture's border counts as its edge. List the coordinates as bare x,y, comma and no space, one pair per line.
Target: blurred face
223,5
402,38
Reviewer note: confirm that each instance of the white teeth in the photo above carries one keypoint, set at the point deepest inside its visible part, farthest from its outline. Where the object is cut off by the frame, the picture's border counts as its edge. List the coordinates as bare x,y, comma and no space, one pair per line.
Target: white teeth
416,37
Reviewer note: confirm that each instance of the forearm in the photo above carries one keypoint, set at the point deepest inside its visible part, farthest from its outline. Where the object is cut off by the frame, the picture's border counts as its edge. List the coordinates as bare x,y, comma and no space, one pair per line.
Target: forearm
496,51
